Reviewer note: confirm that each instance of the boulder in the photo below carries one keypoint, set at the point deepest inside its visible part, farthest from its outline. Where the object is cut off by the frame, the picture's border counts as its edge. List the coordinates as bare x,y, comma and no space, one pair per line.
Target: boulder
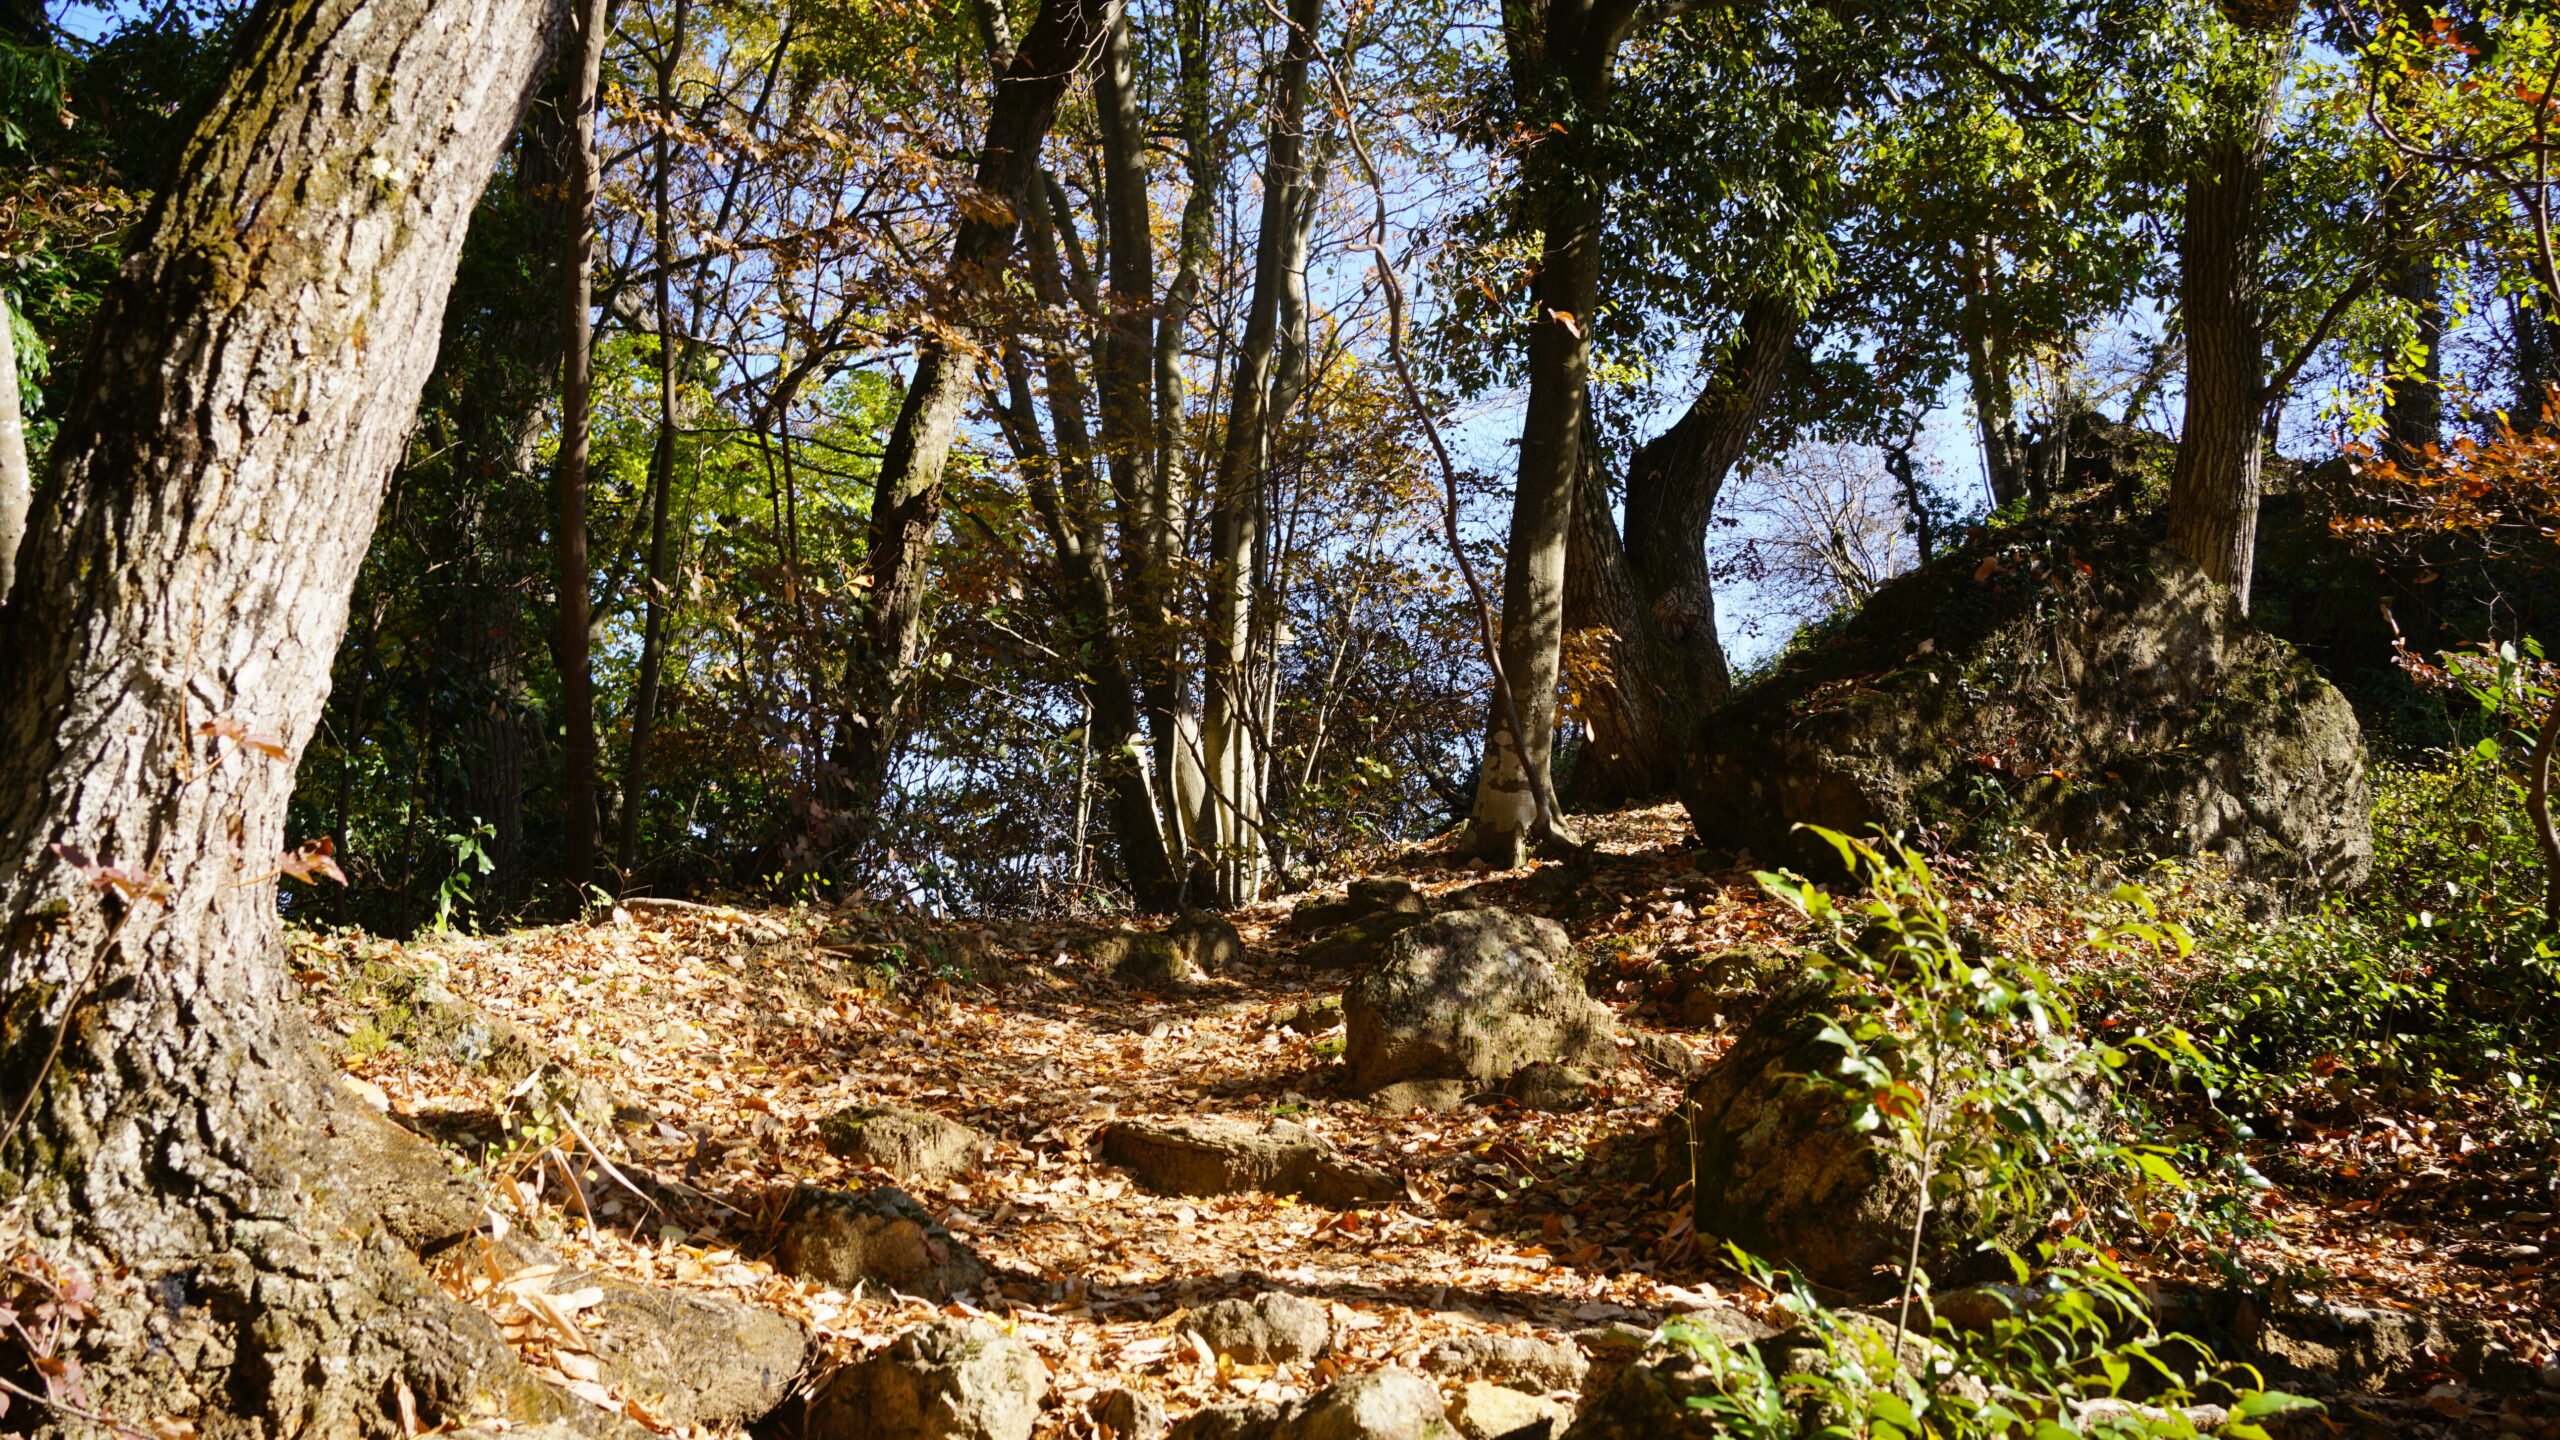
1359,942
1194,946
1472,995
943,1380
1314,1017
1486,1411
1388,1404
1729,986
1777,1166
2072,676
1509,1359
1219,1155
916,1144
1273,1328
879,1236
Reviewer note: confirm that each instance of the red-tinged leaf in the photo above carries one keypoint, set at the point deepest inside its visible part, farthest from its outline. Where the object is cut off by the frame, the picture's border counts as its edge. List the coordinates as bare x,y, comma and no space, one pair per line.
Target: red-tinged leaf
311,860
1565,319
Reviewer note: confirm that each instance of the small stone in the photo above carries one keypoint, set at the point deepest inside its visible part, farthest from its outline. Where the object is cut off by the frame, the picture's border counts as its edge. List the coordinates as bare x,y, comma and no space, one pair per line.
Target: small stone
880,1236
1357,943
1389,1404
1128,1414
912,1144
1273,1328
1486,1411
1554,1089
943,1380
1543,1364
1436,1096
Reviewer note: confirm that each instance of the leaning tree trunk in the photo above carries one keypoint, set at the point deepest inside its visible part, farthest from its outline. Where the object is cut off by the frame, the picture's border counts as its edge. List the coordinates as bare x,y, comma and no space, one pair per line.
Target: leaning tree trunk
2213,485
254,371
1648,602
906,498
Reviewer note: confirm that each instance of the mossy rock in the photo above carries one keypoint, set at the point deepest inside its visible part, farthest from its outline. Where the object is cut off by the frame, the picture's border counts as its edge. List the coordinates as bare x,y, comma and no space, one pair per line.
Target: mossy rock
2072,676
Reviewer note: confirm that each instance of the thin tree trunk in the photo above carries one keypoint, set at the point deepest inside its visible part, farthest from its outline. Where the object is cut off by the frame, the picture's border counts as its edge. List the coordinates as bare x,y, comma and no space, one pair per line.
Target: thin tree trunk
1124,380
17,483
218,477
569,500
2213,485
662,469
1069,506
1204,164
906,504
1236,773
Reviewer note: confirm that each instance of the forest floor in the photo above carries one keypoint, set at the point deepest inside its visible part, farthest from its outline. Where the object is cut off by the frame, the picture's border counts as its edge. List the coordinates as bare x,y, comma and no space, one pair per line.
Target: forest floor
725,1036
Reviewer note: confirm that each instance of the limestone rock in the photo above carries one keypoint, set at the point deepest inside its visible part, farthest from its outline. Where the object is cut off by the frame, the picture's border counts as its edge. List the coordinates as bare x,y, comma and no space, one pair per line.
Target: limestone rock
1388,1404
2087,682
912,1143
880,1236
693,1359
1218,1155
1369,895
1472,995
1359,942
1273,1328
1486,1411
943,1380
1128,1415
1194,946
1729,986
1778,1168
1439,1097
1509,1359
1551,1088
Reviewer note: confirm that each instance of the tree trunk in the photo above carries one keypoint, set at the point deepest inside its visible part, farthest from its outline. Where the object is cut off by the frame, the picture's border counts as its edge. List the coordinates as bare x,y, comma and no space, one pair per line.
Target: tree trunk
1234,680
1988,373
1066,494
1649,600
569,499
17,483
662,470
1150,538
906,499
1574,43
2213,485
174,619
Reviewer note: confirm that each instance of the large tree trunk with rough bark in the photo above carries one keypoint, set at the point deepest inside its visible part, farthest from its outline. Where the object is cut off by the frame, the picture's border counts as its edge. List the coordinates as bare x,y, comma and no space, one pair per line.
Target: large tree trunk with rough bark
179,601
2213,485
1645,605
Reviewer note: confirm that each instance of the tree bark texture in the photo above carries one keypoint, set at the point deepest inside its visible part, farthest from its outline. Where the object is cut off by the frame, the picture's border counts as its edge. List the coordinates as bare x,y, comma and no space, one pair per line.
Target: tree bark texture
2213,484
252,376
1648,601
1989,374
2413,407
906,503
